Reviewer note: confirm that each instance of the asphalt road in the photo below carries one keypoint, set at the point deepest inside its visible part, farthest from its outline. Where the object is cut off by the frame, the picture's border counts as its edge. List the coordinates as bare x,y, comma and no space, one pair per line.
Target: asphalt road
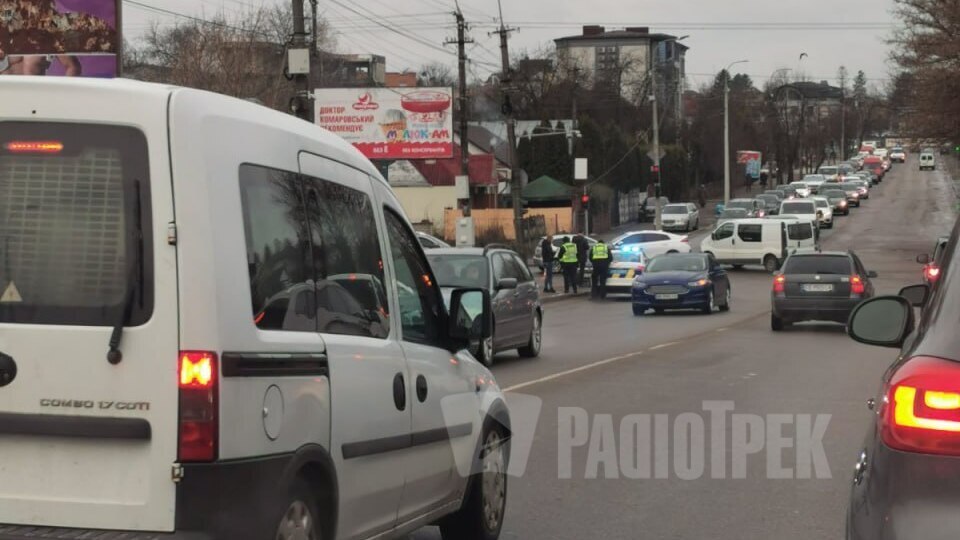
600,358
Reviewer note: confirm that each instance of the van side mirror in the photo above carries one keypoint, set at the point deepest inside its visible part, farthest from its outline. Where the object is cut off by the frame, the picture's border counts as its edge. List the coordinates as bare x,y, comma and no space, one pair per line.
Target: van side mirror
507,284
917,295
884,321
469,320
923,258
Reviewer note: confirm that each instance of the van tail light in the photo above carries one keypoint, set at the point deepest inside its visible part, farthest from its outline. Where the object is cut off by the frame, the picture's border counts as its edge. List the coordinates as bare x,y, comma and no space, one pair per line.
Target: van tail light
921,412
780,284
932,272
856,286
198,426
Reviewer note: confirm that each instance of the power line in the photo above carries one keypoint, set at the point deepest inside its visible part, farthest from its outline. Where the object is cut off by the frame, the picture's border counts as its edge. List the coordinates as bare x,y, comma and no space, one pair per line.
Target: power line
163,11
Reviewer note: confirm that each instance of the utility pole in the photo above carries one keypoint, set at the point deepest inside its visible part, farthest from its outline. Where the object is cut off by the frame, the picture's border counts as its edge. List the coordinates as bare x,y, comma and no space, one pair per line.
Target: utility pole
298,64
843,114
572,145
515,180
463,105
726,131
658,221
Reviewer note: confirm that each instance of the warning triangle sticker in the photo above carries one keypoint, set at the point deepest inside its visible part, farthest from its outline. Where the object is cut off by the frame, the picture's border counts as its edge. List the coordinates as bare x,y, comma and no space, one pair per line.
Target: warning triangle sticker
11,295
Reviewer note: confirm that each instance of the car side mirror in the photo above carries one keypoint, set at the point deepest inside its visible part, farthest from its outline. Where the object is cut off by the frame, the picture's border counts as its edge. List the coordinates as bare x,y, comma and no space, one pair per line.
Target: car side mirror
872,274
506,284
923,258
917,295
884,321
469,320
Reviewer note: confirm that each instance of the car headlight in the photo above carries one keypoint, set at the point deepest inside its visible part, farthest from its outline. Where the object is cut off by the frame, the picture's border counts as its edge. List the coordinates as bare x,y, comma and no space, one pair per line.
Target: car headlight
699,283
843,203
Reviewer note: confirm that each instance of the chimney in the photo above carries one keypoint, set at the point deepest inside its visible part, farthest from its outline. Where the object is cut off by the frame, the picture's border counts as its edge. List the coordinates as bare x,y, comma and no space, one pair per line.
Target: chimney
592,30
639,29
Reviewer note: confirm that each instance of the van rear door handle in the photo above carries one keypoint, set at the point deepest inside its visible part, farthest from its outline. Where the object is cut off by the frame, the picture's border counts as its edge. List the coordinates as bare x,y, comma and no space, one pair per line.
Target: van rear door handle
399,392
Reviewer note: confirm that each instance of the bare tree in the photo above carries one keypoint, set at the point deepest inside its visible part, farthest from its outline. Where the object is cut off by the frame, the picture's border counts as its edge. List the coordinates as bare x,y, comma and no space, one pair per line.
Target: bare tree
436,74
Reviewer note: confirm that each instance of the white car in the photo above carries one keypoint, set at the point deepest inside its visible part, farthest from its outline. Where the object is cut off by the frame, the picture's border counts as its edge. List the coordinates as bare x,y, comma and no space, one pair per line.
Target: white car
802,189
830,172
814,181
431,242
250,342
824,211
681,217
804,209
627,263
653,242
882,152
898,155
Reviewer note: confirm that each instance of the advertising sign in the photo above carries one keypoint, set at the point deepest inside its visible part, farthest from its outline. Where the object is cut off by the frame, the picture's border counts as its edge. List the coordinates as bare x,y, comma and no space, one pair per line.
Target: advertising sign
390,123
752,161
60,37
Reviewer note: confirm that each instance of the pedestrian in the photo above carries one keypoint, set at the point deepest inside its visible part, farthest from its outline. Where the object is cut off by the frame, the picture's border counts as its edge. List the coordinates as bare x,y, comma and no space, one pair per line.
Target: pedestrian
583,253
546,251
600,257
568,263
702,195
748,182
763,179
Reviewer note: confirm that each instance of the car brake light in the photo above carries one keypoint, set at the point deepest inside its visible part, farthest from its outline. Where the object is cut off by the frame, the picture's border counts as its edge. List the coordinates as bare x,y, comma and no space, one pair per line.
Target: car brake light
932,272
856,285
922,409
34,147
780,284
685,239
640,269
198,406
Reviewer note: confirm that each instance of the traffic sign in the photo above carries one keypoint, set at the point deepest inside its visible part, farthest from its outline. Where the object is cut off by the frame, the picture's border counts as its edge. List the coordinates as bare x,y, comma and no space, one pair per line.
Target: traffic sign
653,155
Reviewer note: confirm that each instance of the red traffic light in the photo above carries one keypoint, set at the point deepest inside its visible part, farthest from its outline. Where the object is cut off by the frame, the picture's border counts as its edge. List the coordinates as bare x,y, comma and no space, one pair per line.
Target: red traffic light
654,169
584,199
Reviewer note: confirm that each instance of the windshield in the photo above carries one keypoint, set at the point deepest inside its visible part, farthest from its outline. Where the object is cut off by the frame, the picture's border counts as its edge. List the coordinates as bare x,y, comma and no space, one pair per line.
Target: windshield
828,171
741,203
797,208
818,264
821,203
677,263
460,270
675,210
814,178
67,223
798,185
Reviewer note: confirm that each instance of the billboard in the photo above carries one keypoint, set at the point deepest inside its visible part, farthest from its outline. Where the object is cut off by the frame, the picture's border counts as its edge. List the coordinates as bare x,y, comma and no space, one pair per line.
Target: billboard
390,123
752,160
60,37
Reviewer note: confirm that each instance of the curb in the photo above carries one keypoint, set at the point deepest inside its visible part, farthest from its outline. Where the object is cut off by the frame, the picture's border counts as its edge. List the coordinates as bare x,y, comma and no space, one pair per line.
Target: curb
546,298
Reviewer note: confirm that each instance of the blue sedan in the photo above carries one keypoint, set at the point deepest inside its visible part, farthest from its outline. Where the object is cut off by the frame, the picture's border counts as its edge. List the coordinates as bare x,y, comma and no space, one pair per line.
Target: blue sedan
681,281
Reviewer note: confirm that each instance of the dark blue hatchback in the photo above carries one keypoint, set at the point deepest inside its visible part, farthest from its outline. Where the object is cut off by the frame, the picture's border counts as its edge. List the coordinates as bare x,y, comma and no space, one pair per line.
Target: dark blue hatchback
681,281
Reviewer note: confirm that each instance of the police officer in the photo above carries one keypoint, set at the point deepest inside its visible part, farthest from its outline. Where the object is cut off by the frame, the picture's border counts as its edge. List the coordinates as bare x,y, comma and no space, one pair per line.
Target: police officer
600,257
583,253
546,251
568,262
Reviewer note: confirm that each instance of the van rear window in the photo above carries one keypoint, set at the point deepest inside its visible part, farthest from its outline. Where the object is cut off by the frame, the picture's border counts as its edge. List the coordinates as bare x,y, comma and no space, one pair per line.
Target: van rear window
75,225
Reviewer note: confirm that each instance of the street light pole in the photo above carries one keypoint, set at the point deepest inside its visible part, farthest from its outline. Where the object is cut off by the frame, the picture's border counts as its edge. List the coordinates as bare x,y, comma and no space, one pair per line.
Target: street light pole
726,131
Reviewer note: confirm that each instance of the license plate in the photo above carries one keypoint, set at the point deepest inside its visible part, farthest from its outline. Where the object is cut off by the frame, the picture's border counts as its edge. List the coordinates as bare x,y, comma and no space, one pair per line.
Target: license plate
667,296
817,287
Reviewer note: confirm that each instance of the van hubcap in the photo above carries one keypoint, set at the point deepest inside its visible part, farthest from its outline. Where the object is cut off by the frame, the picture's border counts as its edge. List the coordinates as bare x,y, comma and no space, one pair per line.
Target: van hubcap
536,337
494,492
297,523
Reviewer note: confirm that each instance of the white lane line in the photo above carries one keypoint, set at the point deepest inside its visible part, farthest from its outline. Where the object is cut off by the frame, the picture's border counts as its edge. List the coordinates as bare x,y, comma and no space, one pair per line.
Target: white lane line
718,330
663,345
516,387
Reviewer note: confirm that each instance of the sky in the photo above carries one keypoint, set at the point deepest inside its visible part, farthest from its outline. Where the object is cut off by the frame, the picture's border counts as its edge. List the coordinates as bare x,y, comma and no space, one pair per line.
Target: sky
770,34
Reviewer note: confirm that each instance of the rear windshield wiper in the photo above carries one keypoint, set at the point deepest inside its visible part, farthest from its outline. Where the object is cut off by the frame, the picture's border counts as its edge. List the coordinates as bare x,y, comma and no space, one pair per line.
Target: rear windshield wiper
134,281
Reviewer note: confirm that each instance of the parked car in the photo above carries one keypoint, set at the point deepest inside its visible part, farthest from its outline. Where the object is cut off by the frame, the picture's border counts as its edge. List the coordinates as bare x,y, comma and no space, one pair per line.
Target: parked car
682,281
430,241
626,264
933,264
681,217
903,483
838,199
928,161
256,392
653,242
517,315
818,287
557,242
874,164
759,241
648,208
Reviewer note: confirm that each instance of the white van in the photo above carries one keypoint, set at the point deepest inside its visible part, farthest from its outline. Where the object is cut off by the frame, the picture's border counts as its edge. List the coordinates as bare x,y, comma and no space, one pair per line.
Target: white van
179,356
759,241
928,161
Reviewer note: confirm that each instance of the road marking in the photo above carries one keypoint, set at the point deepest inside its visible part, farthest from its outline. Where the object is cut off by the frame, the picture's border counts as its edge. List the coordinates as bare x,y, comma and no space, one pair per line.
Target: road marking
663,345
718,330
516,387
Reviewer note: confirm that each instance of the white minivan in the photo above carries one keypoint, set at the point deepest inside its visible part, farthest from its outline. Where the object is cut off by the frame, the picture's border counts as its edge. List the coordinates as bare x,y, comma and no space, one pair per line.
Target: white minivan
765,242
928,161
181,352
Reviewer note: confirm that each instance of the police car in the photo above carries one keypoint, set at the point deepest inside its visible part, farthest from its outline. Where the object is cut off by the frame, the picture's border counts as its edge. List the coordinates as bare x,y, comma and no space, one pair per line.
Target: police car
626,264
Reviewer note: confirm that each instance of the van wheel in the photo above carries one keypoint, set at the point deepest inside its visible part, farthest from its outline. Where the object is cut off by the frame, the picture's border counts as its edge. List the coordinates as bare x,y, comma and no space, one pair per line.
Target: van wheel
770,263
481,516
532,348
299,519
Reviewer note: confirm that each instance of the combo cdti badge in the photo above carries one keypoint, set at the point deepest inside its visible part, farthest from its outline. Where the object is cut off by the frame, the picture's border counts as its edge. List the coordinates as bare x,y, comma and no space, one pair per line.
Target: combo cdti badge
216,322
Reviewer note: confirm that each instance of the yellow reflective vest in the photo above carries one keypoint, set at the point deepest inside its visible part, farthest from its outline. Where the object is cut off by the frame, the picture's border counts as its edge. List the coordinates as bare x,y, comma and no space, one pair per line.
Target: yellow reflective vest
600,252
569,253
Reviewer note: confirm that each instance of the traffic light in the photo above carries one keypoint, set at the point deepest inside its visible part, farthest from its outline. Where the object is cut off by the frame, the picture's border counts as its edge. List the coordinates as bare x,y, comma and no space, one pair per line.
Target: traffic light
585,200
